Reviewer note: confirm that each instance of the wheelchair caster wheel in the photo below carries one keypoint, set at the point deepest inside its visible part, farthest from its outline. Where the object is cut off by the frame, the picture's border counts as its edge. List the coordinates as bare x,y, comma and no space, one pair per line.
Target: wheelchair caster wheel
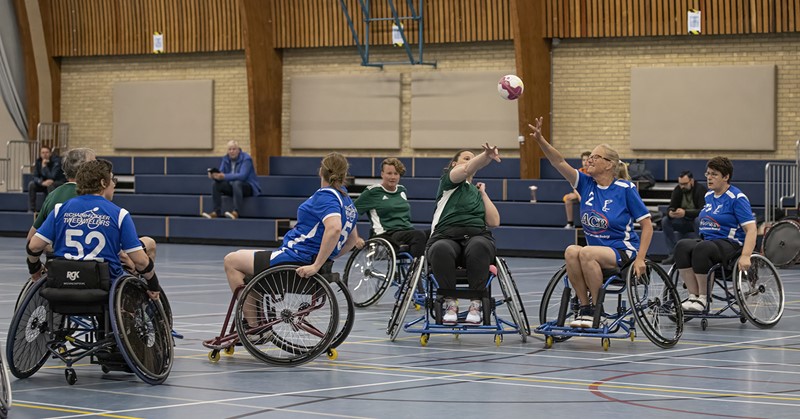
61,349
498,339
229,350
704,324
213,356
606,342
633,335
548,342
333,354
423,340
742,320
417,307
71,377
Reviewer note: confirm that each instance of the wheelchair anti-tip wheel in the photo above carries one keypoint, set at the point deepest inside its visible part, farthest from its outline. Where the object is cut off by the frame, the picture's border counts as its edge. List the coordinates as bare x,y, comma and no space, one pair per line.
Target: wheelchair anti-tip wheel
759,292
656,305
405,297
26,347
347,312
284,319
141,329
369,271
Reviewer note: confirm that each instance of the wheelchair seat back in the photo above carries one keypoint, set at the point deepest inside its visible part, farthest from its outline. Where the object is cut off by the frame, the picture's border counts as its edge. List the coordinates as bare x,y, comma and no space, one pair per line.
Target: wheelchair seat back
76,286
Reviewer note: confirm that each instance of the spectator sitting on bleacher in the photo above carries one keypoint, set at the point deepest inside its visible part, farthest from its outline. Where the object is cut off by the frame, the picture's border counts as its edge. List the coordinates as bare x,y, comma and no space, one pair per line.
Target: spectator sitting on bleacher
47,175
609,208
235,177
571,198
685,204
386,204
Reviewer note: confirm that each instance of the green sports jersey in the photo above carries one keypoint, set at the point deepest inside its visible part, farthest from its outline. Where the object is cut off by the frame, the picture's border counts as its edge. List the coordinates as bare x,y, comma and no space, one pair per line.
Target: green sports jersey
58,196
387,211
458,204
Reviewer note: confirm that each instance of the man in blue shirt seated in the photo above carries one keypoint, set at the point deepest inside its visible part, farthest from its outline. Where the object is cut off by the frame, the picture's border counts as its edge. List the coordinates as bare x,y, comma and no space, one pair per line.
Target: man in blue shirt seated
235,177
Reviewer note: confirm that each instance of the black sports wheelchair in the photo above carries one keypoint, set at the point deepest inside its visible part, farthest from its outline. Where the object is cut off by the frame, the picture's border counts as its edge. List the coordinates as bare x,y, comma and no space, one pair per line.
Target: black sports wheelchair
372,269
284,319
423,281
77,312
756,295
652,304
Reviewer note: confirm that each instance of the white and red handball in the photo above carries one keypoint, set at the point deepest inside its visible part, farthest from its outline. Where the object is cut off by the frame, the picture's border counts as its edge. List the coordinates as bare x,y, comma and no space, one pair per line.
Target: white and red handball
510,87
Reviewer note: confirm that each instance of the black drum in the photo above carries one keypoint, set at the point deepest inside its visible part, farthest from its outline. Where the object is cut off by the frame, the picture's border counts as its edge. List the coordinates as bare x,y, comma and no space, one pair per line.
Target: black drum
782,243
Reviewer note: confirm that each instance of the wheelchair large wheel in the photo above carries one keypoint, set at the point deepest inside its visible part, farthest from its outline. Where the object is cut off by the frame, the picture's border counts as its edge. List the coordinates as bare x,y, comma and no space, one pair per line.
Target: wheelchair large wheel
553,298
284,319
656,305
26,346
347,312
5,396
759,292
781,244
369,271
23,293
512,299
404,298
141,329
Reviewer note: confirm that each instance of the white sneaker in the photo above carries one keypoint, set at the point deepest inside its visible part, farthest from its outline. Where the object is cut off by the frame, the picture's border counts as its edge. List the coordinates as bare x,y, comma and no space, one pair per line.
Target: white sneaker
696,305
584,319
569,226
450,311
475,315
686,303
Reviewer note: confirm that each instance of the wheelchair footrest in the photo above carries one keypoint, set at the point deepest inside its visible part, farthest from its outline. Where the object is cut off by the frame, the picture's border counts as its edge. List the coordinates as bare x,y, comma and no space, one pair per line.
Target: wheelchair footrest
549,329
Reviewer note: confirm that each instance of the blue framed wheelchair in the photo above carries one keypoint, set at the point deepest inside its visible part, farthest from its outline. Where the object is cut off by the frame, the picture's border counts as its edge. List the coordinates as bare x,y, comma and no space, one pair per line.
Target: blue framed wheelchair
652,304
372,269
756,296
76,312
431,320
5,394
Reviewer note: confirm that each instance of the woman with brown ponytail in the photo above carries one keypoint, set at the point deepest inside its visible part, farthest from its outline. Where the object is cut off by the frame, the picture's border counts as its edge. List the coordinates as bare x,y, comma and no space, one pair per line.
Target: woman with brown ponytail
325,228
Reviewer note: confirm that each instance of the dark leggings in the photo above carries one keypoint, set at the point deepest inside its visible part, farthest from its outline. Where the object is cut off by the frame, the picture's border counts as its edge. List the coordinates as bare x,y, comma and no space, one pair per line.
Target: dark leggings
475,254
701,255
415,239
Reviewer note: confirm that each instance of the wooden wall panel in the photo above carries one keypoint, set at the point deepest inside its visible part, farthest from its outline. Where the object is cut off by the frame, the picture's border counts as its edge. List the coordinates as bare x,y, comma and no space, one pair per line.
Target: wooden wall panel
617,18
102,27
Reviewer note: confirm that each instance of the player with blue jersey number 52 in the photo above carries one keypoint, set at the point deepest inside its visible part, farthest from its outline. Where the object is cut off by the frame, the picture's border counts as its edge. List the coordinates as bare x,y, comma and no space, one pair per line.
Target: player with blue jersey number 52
609,208
90,227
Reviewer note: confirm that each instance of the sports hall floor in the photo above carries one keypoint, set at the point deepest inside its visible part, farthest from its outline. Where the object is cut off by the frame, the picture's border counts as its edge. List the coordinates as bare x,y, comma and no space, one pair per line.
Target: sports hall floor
730,370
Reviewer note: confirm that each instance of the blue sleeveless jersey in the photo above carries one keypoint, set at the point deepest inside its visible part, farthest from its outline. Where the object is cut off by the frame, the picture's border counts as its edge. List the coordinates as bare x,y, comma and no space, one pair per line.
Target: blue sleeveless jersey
89,227
608,213
301,244
723,217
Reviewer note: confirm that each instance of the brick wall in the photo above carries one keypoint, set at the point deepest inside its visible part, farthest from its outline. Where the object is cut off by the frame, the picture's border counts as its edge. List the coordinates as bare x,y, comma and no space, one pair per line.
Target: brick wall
87,91
591,87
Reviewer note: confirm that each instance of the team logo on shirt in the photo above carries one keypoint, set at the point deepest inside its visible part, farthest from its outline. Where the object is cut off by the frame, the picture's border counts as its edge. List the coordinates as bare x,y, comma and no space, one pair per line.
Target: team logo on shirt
350,212
594,221
605,204
403,195
89,218
708,223
717,209
385,197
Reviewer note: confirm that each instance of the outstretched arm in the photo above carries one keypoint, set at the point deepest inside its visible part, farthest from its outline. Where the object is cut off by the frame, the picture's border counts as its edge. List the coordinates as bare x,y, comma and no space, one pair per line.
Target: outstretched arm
463,172
553,155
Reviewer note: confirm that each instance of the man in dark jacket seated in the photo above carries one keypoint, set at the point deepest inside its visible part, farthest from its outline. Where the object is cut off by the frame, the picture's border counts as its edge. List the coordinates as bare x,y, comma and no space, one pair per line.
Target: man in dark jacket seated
47,175
685,204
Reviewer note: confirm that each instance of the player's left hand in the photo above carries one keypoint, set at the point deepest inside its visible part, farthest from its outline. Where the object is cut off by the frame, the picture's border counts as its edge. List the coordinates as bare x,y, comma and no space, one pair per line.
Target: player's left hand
307,271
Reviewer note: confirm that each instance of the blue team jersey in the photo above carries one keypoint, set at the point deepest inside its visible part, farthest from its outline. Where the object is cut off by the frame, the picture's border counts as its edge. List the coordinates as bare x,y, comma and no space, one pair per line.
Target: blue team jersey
608,213
723,216
89,227
301,244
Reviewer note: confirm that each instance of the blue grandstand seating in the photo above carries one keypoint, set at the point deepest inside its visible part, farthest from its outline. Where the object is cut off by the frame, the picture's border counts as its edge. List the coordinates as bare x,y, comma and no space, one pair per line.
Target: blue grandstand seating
13,201
743,170
150,225
200,229
159,204
149,165
15,221
309,166
292,186
191,165
549,190
407,162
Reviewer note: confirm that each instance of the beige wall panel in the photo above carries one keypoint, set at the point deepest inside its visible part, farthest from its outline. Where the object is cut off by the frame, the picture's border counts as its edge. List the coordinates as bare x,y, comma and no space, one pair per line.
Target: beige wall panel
703,108
461,109
163,115
333,112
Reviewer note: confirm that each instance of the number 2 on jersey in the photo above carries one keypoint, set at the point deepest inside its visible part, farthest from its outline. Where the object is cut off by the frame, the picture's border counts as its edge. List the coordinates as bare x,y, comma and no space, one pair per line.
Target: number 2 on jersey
72,239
